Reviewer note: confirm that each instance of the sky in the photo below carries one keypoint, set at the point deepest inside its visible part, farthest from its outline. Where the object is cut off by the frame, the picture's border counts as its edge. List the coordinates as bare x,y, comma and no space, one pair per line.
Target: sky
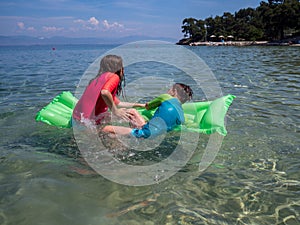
110,18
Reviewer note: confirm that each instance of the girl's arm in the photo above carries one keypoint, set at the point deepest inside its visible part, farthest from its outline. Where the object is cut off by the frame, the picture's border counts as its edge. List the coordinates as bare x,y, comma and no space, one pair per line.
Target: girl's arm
130,105
108,99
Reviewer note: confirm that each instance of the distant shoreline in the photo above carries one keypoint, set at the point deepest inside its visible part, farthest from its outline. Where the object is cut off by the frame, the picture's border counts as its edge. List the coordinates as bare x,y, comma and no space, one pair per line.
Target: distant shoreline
239,43
60,40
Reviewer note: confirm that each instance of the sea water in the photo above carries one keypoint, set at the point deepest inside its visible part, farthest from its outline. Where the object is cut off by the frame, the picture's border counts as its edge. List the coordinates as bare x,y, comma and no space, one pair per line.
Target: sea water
254,178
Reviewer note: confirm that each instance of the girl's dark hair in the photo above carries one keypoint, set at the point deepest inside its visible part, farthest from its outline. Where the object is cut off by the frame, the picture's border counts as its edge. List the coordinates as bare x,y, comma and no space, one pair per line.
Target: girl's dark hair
113,64
184,91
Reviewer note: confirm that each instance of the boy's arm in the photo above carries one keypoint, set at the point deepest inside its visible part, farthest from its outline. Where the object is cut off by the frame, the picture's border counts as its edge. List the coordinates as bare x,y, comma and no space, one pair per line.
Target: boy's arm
157,101
130,105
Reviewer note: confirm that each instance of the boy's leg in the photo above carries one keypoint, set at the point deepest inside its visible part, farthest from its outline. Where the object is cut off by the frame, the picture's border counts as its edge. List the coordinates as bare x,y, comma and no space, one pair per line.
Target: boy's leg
136,120
118,130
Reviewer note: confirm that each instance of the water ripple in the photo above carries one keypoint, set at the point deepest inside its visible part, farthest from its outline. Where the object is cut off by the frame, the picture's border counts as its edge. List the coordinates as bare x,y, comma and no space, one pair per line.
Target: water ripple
254,179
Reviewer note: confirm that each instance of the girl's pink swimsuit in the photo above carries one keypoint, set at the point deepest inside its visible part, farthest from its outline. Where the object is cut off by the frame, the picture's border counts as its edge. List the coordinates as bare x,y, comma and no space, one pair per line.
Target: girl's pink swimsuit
91,104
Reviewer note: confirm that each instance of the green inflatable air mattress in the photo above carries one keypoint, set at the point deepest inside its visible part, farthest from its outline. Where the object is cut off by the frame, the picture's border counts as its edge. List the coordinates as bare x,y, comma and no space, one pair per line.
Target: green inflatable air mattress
202,117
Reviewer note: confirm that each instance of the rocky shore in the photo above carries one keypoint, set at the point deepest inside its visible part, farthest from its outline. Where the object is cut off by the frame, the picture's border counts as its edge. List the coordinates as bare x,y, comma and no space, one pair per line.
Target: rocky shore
239,43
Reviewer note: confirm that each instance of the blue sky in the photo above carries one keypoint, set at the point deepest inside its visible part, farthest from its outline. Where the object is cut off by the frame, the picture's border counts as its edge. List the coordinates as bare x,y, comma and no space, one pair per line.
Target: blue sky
98,18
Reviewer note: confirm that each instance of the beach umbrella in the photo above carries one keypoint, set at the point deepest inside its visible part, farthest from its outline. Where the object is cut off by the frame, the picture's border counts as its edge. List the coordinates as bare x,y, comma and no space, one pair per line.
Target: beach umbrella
230,36
212,36
221,36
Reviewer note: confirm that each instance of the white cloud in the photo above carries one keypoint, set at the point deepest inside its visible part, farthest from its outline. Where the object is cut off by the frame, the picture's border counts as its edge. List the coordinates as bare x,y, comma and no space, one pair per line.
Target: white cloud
94,24
90,24
105,24
114,25
93,21
52,29
80,21
21,25
31,28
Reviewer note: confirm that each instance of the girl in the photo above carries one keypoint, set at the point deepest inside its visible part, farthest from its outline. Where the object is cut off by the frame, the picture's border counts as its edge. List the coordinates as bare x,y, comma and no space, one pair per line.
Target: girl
100,94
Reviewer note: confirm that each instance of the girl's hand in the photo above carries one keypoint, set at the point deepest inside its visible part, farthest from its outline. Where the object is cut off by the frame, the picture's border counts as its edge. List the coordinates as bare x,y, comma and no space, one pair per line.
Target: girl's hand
123,114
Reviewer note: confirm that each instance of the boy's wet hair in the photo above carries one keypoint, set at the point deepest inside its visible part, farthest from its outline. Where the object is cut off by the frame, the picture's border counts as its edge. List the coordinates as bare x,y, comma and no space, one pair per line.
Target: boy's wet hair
184,91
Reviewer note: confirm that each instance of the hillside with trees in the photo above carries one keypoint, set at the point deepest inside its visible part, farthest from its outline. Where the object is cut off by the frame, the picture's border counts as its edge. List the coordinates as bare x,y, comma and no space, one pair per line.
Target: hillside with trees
274,20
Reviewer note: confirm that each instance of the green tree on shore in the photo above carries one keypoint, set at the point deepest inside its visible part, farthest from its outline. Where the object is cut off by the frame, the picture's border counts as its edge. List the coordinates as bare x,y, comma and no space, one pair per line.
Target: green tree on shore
248,25
279,16
193,28
271,20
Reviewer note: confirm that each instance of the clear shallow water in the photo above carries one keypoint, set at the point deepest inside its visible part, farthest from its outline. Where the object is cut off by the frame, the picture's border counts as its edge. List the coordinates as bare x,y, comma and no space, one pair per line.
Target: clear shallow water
253,180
